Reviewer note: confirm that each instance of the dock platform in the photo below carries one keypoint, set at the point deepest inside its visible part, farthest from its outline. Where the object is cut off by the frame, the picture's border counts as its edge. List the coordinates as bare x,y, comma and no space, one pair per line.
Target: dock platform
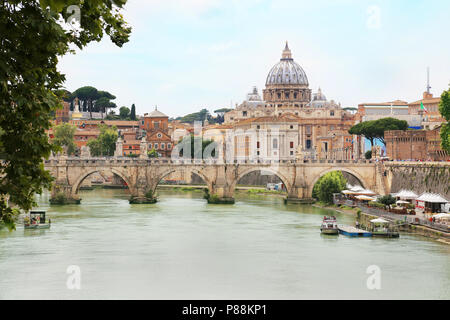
353,232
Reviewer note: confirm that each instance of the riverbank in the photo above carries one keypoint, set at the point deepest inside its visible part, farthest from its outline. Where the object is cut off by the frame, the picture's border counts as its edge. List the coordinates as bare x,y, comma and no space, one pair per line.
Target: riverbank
364,218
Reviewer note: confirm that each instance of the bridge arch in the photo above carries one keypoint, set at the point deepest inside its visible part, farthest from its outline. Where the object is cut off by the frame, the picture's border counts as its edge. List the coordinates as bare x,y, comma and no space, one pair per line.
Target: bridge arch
277,173
361,180
166,172
85,174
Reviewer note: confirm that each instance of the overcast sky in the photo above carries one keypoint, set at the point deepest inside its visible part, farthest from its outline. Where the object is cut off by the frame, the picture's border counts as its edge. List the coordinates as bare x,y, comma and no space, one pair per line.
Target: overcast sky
184,55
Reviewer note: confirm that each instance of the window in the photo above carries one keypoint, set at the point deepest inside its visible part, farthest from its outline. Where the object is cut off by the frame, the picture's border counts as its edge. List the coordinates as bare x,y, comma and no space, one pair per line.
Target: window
150,146
163,145
156,146
156,125
159,135
292,153
244,113
291,144
275,143
332,113
295,95
257,144
258,127
169,146
308,144
291,126
257,153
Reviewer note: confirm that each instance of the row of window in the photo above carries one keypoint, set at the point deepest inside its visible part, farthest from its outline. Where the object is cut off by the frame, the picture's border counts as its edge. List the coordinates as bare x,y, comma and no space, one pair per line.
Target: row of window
161,146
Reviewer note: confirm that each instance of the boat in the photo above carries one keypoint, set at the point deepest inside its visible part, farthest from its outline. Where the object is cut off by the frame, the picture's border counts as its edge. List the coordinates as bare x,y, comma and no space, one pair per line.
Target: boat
353,231
382,228
36,220
329,225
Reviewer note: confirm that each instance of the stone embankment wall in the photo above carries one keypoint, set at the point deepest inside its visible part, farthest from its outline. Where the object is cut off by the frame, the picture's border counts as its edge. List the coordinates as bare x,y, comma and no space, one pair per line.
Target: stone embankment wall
432,177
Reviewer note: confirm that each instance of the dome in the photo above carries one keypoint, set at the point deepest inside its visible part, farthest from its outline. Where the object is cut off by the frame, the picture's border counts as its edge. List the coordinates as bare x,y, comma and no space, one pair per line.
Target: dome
287,71
319,96
156,114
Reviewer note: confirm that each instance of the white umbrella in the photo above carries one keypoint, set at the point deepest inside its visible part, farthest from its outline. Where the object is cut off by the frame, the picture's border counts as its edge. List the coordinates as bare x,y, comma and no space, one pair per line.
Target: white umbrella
366,198
379,220
401,201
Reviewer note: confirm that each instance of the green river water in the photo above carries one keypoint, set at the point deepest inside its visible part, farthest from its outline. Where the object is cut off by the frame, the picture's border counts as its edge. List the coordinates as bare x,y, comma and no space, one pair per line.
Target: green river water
183,248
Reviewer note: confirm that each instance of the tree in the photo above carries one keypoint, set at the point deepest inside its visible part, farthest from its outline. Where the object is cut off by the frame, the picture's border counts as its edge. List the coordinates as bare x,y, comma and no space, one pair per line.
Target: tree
331,182
374,129
152,153
444,109
133,112
387,200
196,116
368,155
192,140
64,137
124,113
105,144
32,39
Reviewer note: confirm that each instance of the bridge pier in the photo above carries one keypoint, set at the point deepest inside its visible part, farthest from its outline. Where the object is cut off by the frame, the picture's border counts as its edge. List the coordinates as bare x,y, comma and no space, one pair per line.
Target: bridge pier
62,194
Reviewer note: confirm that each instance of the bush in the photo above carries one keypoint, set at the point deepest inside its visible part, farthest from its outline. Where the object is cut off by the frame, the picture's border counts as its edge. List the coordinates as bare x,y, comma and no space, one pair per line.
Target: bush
368,155
376,204
331,182
387,200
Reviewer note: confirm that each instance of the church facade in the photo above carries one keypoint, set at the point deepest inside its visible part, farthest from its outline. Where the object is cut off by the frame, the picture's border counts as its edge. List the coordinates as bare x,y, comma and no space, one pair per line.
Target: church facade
304,124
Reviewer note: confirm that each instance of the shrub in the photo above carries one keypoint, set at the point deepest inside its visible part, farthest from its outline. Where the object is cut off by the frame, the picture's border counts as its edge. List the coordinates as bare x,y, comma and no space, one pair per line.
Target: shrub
368,155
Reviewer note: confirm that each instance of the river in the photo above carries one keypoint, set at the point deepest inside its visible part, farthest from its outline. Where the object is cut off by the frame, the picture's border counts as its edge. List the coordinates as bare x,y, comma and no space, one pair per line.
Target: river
183,248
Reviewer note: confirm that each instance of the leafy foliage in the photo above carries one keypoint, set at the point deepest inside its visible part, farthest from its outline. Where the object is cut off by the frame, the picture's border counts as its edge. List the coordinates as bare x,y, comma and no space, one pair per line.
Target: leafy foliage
124,113
105,144
368,155
192,141
444,109
152,153
64,137
331,182
32,38
387,200
374,129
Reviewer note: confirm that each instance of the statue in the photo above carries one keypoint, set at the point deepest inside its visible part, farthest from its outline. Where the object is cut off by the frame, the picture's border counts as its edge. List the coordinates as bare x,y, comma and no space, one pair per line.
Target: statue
119,148
143,148
85,152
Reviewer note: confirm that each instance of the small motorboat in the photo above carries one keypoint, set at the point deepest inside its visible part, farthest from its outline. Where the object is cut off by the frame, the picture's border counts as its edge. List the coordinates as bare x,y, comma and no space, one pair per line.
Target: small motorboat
36,220
329,225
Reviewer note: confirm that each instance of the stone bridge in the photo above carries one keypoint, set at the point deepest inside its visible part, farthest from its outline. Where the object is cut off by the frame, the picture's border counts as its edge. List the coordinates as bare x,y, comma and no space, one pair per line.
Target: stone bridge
143,175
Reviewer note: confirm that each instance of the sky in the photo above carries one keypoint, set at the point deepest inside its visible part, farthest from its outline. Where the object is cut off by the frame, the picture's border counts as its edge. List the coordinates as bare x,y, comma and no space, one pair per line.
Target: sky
185,55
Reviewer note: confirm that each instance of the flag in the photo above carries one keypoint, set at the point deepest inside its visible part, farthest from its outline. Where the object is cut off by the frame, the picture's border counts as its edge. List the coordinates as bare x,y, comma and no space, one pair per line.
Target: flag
422,107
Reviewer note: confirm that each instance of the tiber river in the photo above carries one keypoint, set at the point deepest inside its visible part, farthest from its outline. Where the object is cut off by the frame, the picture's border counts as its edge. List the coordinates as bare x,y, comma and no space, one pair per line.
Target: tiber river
183,248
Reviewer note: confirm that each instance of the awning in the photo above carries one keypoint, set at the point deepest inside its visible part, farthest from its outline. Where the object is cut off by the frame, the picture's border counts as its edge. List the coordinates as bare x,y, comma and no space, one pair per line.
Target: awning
402,202
432,198
405,194
444,216
365,198
379,220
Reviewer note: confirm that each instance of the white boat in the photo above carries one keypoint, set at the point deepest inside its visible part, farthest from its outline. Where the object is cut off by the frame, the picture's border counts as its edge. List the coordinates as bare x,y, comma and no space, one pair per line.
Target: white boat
36,220
329,225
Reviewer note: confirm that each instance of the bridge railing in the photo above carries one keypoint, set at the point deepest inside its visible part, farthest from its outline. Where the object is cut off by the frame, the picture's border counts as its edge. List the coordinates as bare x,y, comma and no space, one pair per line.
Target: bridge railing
128,160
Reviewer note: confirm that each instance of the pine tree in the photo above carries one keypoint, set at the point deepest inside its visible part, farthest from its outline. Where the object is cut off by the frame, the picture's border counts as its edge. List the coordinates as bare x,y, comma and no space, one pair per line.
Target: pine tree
133,112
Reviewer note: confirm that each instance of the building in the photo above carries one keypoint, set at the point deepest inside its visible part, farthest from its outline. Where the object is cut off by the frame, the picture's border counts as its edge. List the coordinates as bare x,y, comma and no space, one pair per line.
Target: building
429,115
287,91
308,125
424,145
62,115
156,127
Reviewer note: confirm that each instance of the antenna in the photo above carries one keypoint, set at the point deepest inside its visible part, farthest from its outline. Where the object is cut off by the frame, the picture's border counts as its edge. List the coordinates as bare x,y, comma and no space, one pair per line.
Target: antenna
428,80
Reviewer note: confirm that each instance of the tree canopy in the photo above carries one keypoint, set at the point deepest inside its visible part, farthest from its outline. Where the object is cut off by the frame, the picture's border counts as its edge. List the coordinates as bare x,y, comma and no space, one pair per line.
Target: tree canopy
33,36
374,129
105,144
444,109
64,137
331,182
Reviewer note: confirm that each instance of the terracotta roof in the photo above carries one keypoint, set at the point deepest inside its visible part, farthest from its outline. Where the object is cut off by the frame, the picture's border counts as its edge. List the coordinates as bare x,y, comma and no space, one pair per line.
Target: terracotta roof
425,101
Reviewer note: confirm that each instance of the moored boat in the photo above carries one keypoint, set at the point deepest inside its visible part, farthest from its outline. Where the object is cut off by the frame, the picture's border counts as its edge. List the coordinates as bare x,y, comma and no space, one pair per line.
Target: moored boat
37,220
383,228
329,225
